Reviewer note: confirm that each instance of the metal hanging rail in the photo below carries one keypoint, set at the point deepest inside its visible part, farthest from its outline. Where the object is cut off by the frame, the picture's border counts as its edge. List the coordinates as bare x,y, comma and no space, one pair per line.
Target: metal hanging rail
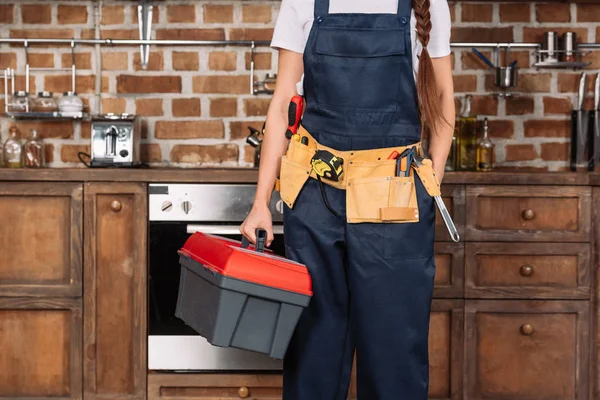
136,42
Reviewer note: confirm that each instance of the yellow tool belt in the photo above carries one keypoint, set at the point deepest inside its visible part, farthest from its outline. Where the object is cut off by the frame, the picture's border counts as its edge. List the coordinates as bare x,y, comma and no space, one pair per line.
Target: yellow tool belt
373,191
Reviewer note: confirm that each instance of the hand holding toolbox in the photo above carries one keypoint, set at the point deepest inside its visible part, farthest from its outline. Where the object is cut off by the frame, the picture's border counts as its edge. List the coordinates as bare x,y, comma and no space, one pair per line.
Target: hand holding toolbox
237,297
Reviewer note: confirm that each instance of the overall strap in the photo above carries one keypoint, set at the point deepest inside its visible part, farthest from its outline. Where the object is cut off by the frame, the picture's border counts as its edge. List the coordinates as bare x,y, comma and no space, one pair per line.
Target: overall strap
404,7
322,8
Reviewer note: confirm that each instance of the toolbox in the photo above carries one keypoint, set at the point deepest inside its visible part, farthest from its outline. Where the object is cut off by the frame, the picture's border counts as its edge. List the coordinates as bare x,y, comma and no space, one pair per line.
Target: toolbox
240,296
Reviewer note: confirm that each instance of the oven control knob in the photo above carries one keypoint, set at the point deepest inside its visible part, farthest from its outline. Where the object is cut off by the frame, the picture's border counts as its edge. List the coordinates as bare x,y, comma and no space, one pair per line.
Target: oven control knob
166,206
279,206
186,206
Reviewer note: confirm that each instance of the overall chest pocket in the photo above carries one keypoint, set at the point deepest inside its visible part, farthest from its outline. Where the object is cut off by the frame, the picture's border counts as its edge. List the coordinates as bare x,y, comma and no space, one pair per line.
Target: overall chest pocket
359,69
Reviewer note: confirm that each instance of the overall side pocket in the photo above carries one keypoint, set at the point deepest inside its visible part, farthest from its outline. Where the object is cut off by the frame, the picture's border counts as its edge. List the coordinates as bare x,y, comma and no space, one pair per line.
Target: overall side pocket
292,176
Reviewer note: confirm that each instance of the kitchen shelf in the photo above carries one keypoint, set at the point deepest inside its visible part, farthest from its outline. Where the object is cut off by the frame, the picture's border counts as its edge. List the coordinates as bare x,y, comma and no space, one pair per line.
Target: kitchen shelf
54,115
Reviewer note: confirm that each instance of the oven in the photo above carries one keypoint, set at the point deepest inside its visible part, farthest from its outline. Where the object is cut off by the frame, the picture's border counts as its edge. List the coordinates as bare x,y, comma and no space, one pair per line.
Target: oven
176,211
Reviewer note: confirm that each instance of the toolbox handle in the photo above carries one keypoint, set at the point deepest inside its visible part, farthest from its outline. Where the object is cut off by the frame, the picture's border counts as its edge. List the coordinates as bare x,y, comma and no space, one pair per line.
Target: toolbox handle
261,237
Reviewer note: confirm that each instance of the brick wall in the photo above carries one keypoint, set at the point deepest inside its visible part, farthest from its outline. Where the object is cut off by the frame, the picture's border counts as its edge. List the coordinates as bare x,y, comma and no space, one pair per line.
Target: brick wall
194,101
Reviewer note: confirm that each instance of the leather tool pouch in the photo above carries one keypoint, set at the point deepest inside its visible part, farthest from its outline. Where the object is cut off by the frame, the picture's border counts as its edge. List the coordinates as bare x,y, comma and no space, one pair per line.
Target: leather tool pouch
295,171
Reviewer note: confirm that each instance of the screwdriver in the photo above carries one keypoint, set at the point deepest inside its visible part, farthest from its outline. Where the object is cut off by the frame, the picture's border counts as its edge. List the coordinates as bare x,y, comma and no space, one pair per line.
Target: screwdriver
294,114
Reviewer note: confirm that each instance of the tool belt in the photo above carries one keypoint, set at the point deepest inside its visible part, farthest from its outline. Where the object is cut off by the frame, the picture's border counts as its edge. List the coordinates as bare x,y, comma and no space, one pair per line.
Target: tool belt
374,192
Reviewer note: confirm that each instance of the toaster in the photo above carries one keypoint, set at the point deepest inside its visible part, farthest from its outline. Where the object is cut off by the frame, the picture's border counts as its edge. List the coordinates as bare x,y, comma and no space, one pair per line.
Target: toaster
115,140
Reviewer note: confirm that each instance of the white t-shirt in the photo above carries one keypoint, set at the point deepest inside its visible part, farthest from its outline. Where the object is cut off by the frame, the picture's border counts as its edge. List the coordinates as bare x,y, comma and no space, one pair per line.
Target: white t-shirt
296,18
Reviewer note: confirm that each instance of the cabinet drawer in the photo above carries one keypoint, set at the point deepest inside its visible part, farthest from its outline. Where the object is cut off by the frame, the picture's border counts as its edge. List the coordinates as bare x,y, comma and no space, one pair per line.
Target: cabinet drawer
535,350
531,214
527,270
454,199
449,270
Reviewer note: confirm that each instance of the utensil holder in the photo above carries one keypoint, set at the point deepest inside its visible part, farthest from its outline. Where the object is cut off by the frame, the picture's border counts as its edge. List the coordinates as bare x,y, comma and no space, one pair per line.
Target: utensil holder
506,77
582,140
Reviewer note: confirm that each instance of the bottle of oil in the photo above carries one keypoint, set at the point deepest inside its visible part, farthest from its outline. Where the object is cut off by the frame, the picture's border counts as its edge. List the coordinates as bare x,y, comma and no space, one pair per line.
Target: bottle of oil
485,150
467,137
12,149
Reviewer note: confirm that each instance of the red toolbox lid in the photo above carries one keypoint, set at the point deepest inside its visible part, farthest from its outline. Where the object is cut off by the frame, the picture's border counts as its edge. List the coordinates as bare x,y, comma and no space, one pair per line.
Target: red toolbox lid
227,257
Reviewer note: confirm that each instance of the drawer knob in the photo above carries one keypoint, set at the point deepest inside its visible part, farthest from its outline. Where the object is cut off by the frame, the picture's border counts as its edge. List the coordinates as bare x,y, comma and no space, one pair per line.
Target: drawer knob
527,329
526,270
116,206
528,214
243,392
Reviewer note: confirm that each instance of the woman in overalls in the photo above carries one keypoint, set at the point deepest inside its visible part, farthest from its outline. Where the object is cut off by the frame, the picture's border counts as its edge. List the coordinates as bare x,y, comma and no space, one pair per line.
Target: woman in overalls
371,263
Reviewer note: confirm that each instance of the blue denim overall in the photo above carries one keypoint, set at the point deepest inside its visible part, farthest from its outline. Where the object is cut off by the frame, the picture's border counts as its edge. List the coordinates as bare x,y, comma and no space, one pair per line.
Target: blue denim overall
372,282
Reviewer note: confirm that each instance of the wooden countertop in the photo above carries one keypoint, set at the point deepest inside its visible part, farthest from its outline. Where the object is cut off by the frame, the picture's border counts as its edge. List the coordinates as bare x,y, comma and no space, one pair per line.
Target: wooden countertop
249,175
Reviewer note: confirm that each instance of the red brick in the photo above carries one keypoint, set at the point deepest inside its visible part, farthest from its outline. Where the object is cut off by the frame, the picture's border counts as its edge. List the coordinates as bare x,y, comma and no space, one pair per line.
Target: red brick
536,35
82,60
41,60
569,83
8,60
223,107
249,153
49,153
588,12
36,13
148,84
83,83
149,107
547,128
470,61
557,105
239,129
476,12
42,34
234,84
537,82
555,151
190,34
112,15
114,61
7,12
155,14
519,105
488,34
188,129
261,61
594,58
114,105
485,105
150,153
185,107
19,84
256,106
222,60
197,154
520,152
256,13
155,61
553,12
85,129
499,129
250,34
465,83
515,12
47,129
218,13
68,14
125,34
181,13
68,152
185,61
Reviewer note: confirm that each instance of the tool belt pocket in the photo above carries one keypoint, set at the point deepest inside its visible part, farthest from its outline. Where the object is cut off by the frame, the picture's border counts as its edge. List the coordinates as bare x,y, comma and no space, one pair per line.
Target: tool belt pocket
292,177
386,199
428,178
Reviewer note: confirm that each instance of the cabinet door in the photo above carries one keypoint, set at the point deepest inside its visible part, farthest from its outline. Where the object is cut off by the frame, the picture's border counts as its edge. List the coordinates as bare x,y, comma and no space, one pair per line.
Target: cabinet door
115,291
534,350
454,199
40,238
449,270
40,348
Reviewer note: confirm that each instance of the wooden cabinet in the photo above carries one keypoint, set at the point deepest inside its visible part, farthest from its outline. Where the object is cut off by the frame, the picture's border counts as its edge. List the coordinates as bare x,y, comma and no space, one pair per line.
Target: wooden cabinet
115,291
449,270
527,350
41,239
40,348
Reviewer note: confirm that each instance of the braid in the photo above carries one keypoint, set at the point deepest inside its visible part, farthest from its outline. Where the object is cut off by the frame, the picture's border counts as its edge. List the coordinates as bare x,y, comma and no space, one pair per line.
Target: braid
429,102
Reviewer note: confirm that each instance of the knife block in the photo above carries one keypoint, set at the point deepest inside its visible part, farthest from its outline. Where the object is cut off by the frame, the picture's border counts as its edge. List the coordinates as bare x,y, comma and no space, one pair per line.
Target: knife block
582,140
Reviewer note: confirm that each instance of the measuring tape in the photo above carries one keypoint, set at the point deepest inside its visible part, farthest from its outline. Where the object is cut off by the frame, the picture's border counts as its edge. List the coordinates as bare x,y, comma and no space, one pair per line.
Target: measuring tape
327,165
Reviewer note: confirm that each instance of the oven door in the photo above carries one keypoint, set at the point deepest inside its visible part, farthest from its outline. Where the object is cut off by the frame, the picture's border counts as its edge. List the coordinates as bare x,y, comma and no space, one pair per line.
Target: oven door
172,345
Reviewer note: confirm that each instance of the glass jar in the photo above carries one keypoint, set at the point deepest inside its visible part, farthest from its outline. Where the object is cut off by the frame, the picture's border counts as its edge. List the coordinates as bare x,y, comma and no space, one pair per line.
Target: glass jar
12,149
33,151
45,102
70,103
19,102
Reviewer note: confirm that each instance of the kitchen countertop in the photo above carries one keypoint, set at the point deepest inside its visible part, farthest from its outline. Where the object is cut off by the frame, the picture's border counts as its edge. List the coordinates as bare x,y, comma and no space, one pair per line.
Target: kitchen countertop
249,175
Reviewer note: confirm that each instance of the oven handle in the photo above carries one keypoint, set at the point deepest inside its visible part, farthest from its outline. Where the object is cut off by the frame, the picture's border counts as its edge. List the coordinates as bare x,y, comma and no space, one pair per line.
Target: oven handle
224,229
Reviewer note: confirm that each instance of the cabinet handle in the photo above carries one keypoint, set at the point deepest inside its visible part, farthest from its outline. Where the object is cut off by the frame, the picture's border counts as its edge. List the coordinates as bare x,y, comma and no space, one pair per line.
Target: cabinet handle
91,352
243,392
526,270
528,214
116,205
526,329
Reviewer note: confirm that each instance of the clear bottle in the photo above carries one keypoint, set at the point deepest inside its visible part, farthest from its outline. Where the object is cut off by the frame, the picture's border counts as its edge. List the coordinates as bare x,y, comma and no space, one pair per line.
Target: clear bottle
485,150
451,160
467,137
12,149
1,151
33,151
